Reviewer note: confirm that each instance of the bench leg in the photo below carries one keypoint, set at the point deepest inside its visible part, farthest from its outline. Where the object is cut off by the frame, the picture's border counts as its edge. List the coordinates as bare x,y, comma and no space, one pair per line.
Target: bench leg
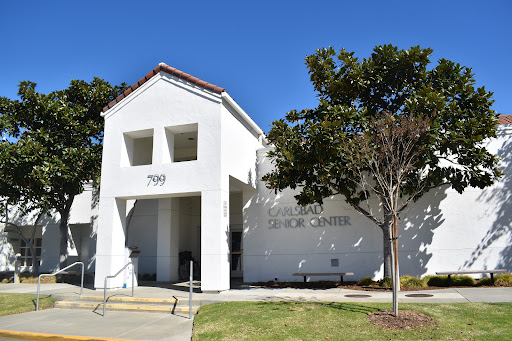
492,278
304,280
341,279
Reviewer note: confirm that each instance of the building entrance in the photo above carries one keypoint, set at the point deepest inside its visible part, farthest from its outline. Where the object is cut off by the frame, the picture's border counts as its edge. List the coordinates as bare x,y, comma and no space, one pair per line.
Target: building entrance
236,245
161,229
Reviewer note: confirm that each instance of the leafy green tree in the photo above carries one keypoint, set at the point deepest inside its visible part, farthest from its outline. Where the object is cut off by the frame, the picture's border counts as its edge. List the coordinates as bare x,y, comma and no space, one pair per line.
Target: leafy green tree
386,130
51,146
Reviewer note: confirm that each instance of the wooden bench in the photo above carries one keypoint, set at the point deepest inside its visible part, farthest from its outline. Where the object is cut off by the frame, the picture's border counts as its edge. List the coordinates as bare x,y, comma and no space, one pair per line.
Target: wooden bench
470,272
306,274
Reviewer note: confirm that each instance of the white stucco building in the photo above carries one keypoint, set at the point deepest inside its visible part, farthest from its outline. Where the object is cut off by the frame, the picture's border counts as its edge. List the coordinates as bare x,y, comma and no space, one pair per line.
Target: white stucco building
82,236
181,171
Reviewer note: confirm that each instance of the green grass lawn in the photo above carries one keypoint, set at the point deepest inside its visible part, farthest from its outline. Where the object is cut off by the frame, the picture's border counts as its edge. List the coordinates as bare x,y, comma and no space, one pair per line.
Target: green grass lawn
22,303
347,321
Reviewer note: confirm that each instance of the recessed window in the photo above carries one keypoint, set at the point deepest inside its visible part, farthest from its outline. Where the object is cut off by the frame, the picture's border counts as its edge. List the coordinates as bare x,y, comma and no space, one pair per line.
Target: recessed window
26,256
138,148
181,143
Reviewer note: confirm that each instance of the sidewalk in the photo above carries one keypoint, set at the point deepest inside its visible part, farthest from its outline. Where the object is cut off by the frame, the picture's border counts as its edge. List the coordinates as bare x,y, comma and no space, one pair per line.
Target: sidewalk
93,326
158,326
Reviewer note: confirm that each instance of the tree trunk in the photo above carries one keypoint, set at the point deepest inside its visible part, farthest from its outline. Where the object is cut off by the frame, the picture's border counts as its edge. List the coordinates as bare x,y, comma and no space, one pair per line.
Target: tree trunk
64,229
35,263
394,235
390,234
386,237
394,270
63,253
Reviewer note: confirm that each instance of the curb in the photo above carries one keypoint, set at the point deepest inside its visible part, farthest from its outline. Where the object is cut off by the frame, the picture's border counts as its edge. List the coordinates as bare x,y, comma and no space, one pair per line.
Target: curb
51,337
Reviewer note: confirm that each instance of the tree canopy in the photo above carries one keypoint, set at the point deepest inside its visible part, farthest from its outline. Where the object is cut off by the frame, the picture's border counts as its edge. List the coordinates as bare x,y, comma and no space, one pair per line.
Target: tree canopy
388,127
51,146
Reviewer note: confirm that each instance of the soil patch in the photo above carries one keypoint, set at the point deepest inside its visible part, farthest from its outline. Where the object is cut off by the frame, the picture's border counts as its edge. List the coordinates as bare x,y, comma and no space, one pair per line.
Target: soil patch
406,319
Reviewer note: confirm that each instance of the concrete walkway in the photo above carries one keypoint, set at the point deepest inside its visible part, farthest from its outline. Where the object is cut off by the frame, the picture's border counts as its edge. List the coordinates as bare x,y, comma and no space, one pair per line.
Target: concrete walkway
88,325
115,325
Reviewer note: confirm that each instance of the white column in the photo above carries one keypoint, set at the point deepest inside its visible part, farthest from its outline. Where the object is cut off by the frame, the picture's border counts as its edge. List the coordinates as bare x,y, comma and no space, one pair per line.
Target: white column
215,262
167,244
110,247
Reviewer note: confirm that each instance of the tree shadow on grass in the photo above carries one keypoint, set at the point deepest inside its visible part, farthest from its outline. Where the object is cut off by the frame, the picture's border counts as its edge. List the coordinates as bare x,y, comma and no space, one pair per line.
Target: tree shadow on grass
43,299
351,307
343,306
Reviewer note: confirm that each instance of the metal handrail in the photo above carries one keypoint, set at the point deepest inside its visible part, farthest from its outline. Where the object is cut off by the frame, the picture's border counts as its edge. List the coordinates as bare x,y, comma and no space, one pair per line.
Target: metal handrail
113,276
53,274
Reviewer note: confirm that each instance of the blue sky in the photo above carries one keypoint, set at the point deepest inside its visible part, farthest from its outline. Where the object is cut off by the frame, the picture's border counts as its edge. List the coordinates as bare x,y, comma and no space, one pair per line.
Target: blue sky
255,50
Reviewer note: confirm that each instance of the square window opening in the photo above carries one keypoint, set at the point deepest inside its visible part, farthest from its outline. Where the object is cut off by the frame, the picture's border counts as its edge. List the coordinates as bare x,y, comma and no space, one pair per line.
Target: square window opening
181,143
138,149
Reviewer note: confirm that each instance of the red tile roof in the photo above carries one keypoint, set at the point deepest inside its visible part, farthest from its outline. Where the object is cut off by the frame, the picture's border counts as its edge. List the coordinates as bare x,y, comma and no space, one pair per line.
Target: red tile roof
505,119
173,72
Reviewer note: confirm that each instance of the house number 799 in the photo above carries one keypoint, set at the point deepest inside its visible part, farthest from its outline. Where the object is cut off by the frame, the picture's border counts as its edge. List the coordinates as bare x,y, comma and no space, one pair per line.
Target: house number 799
156,179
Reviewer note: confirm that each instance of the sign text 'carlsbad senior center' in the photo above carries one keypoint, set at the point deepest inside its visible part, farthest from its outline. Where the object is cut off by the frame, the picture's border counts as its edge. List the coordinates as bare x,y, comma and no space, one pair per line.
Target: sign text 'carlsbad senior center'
300,216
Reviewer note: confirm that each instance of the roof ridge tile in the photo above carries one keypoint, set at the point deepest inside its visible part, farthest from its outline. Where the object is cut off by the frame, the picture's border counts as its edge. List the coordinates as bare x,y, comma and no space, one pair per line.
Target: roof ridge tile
505,119
173,72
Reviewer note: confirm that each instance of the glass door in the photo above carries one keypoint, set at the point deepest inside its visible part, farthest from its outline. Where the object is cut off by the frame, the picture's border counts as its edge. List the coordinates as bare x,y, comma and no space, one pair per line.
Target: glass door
236,253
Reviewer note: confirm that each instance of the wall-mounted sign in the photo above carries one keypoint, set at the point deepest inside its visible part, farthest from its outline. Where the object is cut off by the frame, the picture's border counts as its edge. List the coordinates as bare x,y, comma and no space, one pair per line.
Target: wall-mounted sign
303,216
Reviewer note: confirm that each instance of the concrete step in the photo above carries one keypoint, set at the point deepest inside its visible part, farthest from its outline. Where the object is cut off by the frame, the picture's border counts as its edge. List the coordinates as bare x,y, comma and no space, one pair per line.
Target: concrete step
124,303
121,299
178,301
124,306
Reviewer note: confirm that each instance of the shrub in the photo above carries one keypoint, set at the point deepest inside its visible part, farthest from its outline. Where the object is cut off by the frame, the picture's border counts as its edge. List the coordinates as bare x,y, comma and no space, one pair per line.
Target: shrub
463,281
436,281
412,282
442,281
26,277
499,279
29,278
386,282
485,281
503,279
367,281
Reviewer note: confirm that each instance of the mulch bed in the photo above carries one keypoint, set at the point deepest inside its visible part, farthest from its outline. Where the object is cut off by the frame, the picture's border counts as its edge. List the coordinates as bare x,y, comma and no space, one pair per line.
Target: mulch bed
368,288
345,285
406,319
328,285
